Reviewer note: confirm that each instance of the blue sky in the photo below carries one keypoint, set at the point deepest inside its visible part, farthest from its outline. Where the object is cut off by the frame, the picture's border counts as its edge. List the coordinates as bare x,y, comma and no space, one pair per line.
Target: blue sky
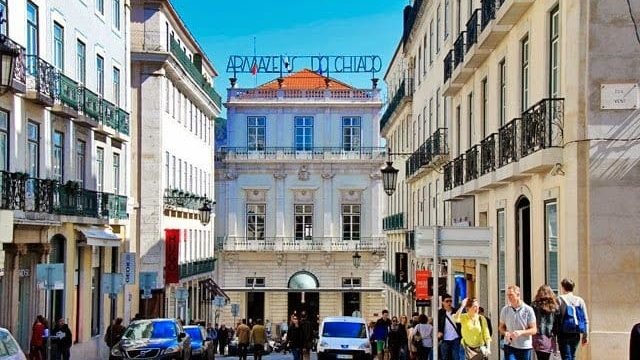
302,27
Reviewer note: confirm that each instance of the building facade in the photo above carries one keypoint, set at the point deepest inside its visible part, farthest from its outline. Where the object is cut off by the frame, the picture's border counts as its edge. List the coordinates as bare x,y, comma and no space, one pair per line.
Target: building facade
544,152
65,164
173,113
299,183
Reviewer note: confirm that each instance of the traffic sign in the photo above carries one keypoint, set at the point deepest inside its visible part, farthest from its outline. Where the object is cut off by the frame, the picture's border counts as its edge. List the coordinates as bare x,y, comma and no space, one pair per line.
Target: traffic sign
235,310
219,301
182,294
148,280
128,267
50,276
454,242
112,283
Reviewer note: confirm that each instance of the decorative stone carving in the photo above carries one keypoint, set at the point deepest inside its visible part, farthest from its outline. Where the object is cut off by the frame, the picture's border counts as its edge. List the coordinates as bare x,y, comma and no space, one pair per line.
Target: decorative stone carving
280,259
303,259
279,175
327,175
256,195
303,173
351,195
303,195
328,259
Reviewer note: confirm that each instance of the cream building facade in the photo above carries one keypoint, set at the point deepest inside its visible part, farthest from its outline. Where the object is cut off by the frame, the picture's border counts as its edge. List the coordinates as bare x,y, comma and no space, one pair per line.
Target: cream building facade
65,164
175,105
544,152
298,179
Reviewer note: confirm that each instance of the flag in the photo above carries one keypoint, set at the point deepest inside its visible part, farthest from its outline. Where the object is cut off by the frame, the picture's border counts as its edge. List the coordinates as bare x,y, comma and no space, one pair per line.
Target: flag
254,68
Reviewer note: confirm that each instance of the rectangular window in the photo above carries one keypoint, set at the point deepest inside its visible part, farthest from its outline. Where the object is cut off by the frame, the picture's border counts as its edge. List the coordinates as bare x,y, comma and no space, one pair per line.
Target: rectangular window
430,114
350,222
32,38
431,42
81,151
116,174
4,140
58,156
447,20
81,62
303,221
437,122
438,29
100,74
116,14
116,85
458,16
33,149
100,164
254,282
190,178
351,133
551,241
524,73
256,214
470,120
173,172
484,104
502,70
256,131
351,282
458,125
100,6
554,53
167,164
3,11
502,280
58,46
303,133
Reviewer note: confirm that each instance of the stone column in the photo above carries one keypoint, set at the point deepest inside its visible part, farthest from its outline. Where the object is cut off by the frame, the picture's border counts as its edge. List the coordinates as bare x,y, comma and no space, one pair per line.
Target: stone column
327,203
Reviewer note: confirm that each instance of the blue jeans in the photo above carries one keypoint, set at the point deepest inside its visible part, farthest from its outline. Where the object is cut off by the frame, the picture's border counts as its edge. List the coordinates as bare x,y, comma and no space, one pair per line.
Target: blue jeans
568,344
511,353
295,351
451,350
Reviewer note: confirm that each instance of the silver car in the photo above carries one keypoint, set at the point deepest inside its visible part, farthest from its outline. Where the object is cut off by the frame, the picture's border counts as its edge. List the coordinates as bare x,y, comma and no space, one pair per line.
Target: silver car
9,348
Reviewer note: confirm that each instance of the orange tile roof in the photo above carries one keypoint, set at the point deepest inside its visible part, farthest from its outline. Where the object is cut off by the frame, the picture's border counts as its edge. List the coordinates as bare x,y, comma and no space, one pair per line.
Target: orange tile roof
306,80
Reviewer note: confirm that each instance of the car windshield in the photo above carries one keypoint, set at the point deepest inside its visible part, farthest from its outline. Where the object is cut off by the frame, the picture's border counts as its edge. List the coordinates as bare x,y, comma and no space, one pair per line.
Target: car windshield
8,346
194,333
344,330
151,330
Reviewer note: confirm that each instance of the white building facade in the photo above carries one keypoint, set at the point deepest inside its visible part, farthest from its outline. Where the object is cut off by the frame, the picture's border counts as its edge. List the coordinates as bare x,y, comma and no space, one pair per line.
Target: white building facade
299,183
175,106
65,164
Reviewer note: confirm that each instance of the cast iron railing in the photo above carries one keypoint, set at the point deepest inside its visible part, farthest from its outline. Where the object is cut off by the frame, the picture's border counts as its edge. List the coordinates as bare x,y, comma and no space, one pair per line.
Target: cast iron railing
404,90
488,154
44,76
78,201
292,153
194,72
459,49
90,104
488,12
508,138
447,170
114,206
435,145
123,121
67,91
393,222
109,117
389,279
473,27
197,267
183,199
471,163
458,170
448,65
316,244
13,190
542,126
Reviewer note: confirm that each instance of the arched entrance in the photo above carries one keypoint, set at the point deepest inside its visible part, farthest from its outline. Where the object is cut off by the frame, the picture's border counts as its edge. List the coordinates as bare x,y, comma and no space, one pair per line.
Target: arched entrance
301,296
523,247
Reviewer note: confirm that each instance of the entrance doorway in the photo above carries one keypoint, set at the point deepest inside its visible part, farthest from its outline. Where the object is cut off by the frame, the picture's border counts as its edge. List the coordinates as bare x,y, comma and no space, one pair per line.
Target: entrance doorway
255,306
351,304
304,301
523,248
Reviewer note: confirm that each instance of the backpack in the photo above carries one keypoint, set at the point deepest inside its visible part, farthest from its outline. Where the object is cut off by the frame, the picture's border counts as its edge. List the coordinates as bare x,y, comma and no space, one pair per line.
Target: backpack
573,321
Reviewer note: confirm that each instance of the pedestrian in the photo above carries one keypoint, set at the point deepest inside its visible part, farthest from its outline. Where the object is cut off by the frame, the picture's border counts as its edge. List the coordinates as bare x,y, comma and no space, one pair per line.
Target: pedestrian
449,332
294,338
546,308
36,345
395,339
476,339
307,335
223,337
404,337
518,325
61,336
572,308
114,332
481,312
216,328
634,343
412,349
212,333
381,333
422,337
244,337
258,338
372,340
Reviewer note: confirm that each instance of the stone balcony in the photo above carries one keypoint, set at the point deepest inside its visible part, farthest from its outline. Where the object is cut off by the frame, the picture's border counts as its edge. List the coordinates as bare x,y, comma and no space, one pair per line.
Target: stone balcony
290,244
309,155
279,96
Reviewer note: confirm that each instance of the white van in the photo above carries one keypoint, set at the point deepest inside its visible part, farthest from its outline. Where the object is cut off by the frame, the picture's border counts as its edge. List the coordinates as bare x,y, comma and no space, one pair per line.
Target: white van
344,337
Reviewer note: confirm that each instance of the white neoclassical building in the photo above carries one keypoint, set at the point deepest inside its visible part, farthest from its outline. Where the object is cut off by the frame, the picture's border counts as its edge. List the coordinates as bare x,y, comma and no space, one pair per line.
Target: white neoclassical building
299,192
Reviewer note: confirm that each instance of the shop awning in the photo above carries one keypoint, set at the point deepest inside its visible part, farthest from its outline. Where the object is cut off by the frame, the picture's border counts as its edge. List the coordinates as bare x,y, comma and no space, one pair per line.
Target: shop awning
97,236
214,288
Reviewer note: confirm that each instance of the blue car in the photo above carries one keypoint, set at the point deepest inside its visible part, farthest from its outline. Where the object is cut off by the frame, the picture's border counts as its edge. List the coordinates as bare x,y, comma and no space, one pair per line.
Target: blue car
162,339
201,345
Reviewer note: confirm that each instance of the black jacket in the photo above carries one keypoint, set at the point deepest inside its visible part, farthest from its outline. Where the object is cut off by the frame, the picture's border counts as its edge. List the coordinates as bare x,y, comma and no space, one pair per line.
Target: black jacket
62,336
442,320
294,337
634,346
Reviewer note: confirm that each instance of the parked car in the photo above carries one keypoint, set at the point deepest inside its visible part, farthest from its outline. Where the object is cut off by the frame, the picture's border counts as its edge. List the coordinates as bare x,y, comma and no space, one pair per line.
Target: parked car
344,337
201,345
9,348
162,339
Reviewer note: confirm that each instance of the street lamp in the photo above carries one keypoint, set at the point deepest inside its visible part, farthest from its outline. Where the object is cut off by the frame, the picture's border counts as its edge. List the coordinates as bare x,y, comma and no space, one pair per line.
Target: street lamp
8,54
356,258
205,212
389,178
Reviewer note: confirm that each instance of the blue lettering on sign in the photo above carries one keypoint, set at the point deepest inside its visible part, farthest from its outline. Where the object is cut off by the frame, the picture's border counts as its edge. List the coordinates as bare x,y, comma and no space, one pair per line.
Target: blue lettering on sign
324,64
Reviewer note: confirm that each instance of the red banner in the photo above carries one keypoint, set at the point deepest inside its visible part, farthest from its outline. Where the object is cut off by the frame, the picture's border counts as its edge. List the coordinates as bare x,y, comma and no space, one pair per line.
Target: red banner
172,253
422,284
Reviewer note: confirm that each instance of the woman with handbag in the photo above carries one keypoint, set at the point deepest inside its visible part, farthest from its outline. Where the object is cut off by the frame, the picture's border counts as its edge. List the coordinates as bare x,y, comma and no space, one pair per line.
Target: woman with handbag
422,337
546,307
475,331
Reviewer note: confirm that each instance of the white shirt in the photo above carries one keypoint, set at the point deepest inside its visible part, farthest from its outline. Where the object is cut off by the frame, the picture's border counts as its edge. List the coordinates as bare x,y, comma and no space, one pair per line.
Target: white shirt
450,332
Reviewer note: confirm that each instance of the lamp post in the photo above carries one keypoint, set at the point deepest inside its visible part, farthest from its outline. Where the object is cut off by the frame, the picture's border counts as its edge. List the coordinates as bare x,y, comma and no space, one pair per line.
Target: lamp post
205,212
8,54
356,258
390,174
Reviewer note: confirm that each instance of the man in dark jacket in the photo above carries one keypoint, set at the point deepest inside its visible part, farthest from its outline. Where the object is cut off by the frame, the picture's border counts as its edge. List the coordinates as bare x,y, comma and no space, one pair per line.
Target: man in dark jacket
223,338
449,332
307,336
61,338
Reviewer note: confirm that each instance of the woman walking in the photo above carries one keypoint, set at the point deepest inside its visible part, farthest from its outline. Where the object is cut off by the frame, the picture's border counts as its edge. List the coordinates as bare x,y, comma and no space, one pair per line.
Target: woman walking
475,332
424,331
404,343
546,307
294,338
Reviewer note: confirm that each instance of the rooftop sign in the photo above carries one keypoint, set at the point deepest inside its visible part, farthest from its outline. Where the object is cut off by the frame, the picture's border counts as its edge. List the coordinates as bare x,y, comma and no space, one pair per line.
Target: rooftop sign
322,64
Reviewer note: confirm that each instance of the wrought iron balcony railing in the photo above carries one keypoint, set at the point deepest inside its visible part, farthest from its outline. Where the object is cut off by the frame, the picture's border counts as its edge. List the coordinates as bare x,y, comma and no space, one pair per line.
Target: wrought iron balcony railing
195,73
508,138
542,126
405,90
114,206
473,29
109,117
447,170
393,222
67,91
459,49
448,65
488,154
434,146
78,201
176,198
197,267
471,163
315,244
389,279
293,153
123,121
458,170
90,104
488,12
42,77
252,94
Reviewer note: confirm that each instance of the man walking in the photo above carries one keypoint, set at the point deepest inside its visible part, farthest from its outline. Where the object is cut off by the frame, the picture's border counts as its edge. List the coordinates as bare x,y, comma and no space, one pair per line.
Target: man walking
448,331
517,325
244,336
258,338
307,336
574,311
62,338
223,338
381,333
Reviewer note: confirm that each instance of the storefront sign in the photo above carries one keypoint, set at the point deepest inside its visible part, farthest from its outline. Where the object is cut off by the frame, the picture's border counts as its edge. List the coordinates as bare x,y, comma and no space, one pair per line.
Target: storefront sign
402,275
422,284
277,64
172,252
128,267
619,96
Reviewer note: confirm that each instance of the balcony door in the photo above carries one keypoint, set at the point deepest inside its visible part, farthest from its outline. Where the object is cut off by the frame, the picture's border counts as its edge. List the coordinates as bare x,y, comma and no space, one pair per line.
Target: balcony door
523,247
